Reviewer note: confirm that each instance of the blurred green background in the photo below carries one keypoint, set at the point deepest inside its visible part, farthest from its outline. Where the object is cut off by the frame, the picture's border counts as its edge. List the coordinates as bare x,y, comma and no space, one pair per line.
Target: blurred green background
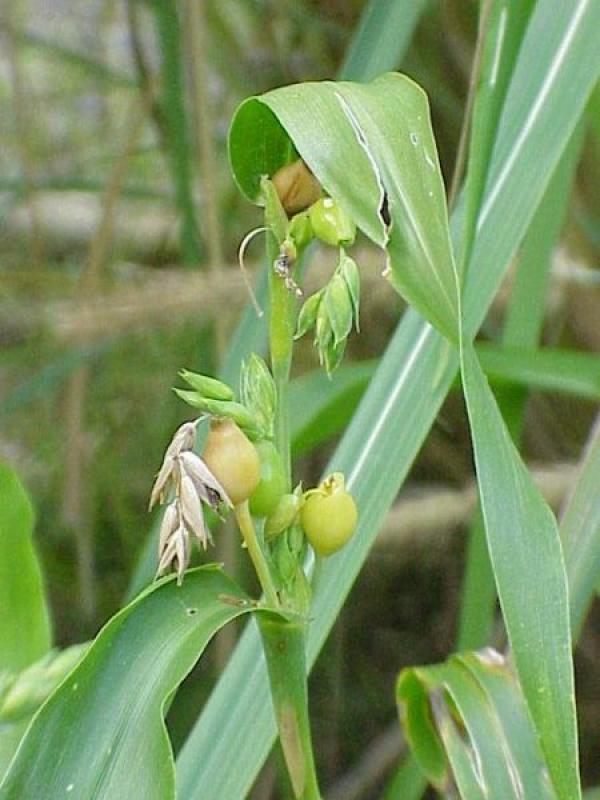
119,230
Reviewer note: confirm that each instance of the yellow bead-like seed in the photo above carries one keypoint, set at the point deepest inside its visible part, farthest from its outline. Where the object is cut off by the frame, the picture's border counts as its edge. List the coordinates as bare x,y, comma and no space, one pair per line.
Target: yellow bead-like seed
329,518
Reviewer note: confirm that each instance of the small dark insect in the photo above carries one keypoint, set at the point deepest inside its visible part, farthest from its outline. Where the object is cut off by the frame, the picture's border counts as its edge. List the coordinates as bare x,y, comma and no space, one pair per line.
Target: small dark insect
283,267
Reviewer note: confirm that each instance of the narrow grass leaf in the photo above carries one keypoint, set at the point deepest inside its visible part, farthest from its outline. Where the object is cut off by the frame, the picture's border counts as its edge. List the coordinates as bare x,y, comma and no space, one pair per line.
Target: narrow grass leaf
320,408
546,369
580,533
176,125
106,718
383,34
521,531
557,55
25,633
504,28
520,341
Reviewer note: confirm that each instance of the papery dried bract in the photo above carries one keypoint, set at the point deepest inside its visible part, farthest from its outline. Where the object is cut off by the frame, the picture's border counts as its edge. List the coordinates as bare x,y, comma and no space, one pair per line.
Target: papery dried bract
207,486
191,510
184,439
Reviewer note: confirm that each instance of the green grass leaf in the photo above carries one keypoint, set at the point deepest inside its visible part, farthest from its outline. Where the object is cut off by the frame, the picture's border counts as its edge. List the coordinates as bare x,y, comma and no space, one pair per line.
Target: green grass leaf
519,359
580,533
383,35
547,369
320,407
473,706
505,27
175,123
25,633
384,130
106,718
25,630
522,532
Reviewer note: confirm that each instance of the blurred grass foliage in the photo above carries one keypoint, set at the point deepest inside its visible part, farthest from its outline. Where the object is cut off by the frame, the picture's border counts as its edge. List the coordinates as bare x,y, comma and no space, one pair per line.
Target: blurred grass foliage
72,79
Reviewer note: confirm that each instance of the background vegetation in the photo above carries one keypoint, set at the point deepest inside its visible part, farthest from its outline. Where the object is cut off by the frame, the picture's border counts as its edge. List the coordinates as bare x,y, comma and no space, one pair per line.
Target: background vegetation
120,225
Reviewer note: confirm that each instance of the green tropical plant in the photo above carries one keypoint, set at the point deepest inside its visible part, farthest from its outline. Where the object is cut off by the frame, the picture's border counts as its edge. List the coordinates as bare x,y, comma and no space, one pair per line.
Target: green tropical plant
483,723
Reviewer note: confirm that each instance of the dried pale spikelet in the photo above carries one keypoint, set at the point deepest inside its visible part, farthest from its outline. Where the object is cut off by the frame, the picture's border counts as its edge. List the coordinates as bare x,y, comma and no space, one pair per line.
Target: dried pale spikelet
207,486
170,522
185,477
191,509
184,439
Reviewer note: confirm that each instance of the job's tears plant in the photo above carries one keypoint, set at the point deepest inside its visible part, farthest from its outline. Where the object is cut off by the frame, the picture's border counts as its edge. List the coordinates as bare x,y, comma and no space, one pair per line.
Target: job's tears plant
323,161
296,166
240,469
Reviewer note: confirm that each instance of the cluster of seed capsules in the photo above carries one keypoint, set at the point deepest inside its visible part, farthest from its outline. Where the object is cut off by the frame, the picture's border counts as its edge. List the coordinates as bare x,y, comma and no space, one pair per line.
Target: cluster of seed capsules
239,464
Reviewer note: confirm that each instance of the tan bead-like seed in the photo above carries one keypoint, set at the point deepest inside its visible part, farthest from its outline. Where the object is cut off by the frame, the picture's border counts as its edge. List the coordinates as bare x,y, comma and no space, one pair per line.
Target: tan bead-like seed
233,460
296,187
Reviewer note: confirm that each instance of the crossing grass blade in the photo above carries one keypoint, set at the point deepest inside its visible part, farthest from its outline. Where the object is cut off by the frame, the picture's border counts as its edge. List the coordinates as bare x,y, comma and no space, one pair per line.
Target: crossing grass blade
320,408
545,369
176,126
557,69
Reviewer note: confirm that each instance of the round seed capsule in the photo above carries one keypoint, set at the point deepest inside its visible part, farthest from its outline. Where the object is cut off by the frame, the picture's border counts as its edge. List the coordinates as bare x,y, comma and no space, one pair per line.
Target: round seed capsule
233,459
272,484
329,515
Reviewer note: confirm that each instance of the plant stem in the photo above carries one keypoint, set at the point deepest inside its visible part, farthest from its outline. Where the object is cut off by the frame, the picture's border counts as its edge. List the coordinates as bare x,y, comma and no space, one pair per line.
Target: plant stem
244,520
284,641
284,646
281,332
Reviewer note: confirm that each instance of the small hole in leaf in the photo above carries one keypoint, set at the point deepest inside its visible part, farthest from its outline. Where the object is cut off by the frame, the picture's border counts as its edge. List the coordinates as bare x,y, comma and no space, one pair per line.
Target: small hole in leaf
191,611
384,210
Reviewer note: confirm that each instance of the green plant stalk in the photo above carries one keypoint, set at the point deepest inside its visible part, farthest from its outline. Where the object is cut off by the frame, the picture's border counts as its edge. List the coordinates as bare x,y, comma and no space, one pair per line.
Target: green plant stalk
246,526
284,645
281,333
